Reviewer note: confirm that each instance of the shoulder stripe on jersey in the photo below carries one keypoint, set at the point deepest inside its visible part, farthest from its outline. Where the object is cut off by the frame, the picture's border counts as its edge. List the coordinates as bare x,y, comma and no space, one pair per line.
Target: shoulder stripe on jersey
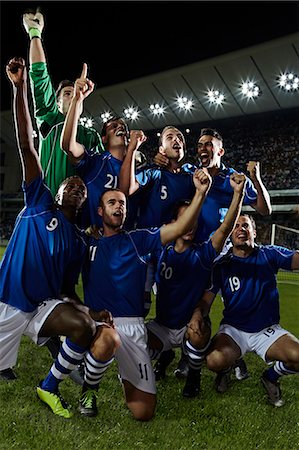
100,169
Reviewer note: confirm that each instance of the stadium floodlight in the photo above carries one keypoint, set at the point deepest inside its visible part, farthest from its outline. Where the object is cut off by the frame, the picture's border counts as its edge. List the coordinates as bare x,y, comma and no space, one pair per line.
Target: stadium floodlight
187,130
288,81
184,103
250,90
131,113
215,97
34,134
156,109
158,134
106,116
86,122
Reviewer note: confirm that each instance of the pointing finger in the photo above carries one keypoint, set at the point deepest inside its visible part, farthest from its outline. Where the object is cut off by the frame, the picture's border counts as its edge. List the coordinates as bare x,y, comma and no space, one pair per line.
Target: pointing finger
84,71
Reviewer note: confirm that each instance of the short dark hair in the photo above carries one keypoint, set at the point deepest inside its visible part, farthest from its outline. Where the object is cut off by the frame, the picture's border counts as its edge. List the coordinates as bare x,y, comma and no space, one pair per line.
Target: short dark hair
110,190
210,132
63,84
169,127
114,119
179,204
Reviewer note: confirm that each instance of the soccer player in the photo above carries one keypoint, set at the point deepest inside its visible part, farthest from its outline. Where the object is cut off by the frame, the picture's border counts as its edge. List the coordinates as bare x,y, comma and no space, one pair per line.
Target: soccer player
161,187
99,171
50,109
184,270
40,268
114,278
210,151
246,276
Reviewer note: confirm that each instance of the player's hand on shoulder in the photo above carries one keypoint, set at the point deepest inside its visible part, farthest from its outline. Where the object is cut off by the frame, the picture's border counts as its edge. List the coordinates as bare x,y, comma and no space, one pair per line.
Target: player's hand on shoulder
161,160
83,85
106,317
253,168
202,180
16,70
33,20
94,231
238,181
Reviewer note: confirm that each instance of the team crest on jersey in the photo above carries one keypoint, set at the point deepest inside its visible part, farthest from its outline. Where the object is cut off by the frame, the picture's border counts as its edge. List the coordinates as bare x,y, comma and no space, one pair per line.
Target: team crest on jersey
52,225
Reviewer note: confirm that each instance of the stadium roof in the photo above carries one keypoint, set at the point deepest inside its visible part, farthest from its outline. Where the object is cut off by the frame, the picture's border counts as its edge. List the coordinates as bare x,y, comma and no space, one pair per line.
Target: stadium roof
261,64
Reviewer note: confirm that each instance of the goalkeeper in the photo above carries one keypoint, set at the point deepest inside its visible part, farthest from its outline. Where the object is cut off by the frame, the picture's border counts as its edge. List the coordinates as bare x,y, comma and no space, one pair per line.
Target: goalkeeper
50,109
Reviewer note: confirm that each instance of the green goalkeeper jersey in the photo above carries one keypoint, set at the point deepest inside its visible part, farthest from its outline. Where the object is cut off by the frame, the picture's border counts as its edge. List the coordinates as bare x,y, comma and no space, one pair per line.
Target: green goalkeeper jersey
50,120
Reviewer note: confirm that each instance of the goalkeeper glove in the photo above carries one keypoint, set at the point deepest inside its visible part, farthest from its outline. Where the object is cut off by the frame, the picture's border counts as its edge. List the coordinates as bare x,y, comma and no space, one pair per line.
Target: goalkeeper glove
33,24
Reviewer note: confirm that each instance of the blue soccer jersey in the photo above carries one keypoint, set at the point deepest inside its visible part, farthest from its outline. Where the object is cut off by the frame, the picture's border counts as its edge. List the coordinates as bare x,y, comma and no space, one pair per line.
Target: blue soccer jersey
114,276
218,200
161,191
248,287
181,281
99,172
45,249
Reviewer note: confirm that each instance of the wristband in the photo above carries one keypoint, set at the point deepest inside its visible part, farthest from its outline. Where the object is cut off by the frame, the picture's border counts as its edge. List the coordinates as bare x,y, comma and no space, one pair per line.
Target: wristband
34,32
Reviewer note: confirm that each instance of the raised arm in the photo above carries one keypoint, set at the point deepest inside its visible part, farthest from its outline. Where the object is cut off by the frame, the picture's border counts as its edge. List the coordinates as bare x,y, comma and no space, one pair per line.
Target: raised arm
17,74
127,181
263,202
69,144
237,181
202,181
34,25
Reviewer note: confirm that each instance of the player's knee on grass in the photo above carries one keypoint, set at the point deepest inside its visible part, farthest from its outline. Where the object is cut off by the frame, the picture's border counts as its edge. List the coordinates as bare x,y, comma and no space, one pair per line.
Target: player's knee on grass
143,410
141,404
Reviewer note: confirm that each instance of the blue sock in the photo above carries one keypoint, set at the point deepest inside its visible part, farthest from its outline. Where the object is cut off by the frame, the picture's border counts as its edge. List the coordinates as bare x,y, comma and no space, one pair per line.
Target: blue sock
272,375
70,355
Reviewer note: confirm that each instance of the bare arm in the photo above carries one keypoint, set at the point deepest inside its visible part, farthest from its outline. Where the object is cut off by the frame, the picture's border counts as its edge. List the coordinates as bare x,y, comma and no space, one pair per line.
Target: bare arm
172,231
295,261
222,233
202,310
69,144
17,74
127,181
263,202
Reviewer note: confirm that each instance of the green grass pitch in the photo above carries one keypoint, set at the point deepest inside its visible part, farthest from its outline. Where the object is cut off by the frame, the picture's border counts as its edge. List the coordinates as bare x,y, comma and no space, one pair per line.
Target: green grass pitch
239,419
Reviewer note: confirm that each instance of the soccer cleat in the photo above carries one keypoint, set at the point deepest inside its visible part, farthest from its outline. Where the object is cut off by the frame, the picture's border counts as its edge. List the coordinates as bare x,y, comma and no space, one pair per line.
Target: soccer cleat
7,374
88,403
273,391
222,381
240,368
55,402
183,367
162,363
192,386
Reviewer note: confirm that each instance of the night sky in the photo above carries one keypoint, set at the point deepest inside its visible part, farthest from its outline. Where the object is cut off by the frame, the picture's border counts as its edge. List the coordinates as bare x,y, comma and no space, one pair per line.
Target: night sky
108,35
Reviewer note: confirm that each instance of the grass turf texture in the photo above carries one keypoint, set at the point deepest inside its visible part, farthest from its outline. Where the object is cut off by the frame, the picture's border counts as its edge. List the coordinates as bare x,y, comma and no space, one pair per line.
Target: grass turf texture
239,419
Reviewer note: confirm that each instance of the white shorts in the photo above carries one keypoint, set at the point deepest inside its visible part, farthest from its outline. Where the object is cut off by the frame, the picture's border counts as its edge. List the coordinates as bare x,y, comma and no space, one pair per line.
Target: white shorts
134,364
15,323
170,338
258,343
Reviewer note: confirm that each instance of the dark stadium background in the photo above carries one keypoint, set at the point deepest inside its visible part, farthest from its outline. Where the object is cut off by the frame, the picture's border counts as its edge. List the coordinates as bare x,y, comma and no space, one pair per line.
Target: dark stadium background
126,40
